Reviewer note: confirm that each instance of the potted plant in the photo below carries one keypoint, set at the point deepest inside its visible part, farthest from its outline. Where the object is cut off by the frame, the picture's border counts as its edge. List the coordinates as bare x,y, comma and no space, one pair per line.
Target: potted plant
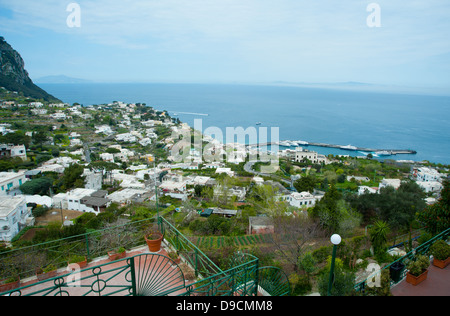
117,254
11,283
418,270
79,260
153,238
441,254
46,273
175,257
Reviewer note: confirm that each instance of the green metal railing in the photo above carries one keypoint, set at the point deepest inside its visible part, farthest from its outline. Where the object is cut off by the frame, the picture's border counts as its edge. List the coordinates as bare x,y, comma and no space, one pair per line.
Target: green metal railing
423,249
141,275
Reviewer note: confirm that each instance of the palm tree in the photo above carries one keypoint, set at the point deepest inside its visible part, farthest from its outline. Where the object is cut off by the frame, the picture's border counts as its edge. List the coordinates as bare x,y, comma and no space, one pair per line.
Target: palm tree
378,236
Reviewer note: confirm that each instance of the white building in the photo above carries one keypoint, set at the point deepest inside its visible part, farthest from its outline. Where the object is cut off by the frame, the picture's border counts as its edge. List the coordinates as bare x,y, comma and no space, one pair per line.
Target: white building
8,150
228,171
58,116
14,215
105,129
82,200
365,189
301,200
395,183
430,186
10,182
425,174
302,154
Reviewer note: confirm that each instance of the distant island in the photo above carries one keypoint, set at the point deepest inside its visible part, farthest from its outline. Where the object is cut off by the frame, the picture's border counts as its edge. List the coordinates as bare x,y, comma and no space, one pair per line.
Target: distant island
60,79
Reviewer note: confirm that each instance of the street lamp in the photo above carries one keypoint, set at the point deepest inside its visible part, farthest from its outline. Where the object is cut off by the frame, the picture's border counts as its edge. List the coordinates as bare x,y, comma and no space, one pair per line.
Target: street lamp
335,240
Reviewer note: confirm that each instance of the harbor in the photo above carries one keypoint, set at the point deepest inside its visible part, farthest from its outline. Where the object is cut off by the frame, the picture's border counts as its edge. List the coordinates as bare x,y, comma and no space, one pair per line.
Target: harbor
365,150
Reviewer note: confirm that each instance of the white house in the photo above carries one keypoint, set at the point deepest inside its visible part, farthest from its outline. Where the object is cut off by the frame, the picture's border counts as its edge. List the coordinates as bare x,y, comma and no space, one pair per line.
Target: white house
10,182
301,200
82,200
430,186
302,154
225,170
58,116
425,174
365,189
14,215
105,129
395,183
8,150
236,191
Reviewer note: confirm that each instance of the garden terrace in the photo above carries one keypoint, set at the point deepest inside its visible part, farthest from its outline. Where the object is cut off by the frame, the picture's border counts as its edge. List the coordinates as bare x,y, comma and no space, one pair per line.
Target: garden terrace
437,284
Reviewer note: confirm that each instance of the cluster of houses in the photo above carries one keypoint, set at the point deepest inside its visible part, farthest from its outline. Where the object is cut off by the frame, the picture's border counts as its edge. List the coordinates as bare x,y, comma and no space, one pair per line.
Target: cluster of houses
147,181
428,179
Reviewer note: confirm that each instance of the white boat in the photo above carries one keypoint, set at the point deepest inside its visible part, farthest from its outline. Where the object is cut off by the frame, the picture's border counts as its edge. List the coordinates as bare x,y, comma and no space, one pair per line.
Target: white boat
285,143
302,143
349,147
258,123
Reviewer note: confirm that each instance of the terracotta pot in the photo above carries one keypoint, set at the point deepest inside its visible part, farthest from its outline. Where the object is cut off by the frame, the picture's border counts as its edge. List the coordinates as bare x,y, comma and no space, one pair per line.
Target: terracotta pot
9,286
44,276
113,256
81,264
441,263
415,280
154,241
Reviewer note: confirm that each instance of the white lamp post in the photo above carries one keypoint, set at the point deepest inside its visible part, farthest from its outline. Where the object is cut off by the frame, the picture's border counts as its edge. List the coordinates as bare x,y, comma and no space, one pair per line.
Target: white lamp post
335,240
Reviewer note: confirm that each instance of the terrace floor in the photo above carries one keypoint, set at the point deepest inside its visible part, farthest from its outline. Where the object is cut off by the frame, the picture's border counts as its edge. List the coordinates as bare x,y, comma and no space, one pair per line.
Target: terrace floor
436,284
165,272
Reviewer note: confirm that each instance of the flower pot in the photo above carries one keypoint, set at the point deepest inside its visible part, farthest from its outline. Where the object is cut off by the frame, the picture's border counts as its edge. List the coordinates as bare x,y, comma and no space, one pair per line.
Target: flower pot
154,241
441,263
5,287
42,276
80,264
395,271
415,280
113,255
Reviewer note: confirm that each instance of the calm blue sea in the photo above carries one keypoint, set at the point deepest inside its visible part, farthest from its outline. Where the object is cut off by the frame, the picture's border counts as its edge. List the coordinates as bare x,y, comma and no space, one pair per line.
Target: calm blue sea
362,119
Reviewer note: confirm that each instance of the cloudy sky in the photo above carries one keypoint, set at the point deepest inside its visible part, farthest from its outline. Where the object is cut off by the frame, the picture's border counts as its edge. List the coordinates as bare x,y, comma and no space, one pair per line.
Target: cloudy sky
234,40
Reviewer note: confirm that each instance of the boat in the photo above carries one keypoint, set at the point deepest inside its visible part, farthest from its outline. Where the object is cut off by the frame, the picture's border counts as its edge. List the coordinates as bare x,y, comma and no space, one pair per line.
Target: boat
258,123
383,153
285,143
302,143
349,147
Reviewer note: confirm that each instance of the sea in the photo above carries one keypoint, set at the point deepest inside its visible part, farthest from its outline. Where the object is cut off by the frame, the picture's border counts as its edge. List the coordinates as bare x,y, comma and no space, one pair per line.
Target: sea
368,119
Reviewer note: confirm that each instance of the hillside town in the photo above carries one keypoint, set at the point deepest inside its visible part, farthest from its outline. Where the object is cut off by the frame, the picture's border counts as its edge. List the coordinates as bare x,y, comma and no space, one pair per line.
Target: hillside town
61,161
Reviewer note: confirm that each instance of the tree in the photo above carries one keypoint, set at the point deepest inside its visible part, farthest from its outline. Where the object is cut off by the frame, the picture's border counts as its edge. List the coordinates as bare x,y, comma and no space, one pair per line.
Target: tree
72,177
306,184
293,236
436,217
39,186
343,283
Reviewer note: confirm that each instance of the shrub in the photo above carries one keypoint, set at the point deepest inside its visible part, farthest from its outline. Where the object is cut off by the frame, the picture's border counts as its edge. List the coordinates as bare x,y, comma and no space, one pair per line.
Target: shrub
440,250
419,266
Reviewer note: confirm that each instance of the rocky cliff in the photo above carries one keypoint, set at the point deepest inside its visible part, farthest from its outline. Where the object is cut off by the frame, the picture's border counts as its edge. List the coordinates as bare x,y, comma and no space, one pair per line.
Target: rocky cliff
14,77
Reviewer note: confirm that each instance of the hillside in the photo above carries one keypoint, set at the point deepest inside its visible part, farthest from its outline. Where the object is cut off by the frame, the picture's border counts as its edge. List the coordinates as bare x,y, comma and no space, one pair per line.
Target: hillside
14,77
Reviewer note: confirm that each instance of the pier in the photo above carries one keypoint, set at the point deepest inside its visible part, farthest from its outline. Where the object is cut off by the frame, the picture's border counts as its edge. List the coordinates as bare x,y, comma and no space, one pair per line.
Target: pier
388,152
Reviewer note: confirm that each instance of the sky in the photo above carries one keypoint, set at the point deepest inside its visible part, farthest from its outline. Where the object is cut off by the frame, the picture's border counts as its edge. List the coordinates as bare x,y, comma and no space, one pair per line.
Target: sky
241,41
